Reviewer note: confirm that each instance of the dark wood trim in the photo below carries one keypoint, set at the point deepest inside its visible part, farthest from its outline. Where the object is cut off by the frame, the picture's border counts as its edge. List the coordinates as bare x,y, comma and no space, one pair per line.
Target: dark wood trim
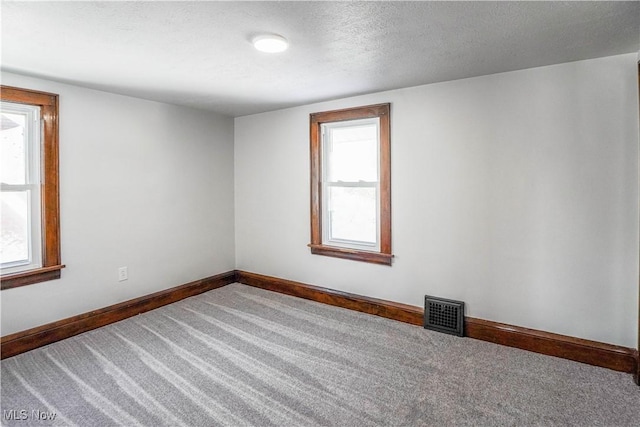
30,277
28,96
637,373
591,352
383,112
315,150
354,113
50,188
354,254
391,310
580,350
30,339
385,180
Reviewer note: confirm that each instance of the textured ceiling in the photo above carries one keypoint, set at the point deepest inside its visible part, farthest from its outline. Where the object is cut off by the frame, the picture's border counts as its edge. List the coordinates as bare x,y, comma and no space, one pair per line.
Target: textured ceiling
199,53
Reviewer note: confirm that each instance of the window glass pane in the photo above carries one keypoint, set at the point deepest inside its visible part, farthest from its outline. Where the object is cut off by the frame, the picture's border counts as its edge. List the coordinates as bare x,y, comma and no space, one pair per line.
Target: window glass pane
353,153
13,155
14,238
353,213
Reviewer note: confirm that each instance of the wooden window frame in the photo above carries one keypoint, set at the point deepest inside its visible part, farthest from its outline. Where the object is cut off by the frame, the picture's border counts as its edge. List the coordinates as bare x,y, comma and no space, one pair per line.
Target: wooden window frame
381,111
50,196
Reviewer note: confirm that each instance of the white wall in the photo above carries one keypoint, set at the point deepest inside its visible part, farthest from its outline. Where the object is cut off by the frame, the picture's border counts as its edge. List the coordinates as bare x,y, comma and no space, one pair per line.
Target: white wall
144,185
515,192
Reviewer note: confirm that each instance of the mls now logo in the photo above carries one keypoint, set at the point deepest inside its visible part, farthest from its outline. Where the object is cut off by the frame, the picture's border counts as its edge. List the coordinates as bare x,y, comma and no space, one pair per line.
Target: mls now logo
23,414
36,414
15,414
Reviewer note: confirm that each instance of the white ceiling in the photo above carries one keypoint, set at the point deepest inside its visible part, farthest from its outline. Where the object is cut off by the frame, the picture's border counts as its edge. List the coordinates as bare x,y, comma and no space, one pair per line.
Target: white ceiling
199,53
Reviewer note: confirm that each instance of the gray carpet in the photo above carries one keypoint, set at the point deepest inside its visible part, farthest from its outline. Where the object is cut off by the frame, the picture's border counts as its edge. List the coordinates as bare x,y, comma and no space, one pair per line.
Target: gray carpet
243,356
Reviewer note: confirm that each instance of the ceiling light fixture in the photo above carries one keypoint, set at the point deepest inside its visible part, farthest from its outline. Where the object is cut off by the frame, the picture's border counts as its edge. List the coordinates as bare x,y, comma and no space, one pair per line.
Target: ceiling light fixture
270,43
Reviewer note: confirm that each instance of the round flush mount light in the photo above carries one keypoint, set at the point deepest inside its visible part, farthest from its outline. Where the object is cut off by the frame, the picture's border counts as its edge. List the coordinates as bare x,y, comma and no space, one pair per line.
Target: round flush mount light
270,43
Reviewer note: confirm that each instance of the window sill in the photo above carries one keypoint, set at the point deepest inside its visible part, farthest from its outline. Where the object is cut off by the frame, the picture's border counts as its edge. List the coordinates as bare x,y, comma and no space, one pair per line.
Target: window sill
23,278
353,254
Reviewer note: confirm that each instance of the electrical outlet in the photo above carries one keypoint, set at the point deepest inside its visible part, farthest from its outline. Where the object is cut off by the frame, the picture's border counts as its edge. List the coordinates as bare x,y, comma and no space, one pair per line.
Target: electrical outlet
122,274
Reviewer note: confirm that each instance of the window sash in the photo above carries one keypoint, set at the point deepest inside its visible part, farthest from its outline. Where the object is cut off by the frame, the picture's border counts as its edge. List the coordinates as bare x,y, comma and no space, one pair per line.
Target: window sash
32,187
327,217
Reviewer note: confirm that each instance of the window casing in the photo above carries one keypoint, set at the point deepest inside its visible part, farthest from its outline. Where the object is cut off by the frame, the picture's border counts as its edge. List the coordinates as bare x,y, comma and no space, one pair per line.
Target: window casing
350,184
30,196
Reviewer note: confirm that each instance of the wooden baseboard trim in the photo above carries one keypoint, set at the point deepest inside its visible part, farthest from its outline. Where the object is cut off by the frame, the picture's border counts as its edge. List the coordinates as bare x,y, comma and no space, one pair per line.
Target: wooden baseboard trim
391,310
30,339
595,353
591,352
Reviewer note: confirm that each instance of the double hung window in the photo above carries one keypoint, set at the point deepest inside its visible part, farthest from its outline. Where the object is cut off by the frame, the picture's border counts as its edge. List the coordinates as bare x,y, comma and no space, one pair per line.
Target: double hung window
29,215
350,184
